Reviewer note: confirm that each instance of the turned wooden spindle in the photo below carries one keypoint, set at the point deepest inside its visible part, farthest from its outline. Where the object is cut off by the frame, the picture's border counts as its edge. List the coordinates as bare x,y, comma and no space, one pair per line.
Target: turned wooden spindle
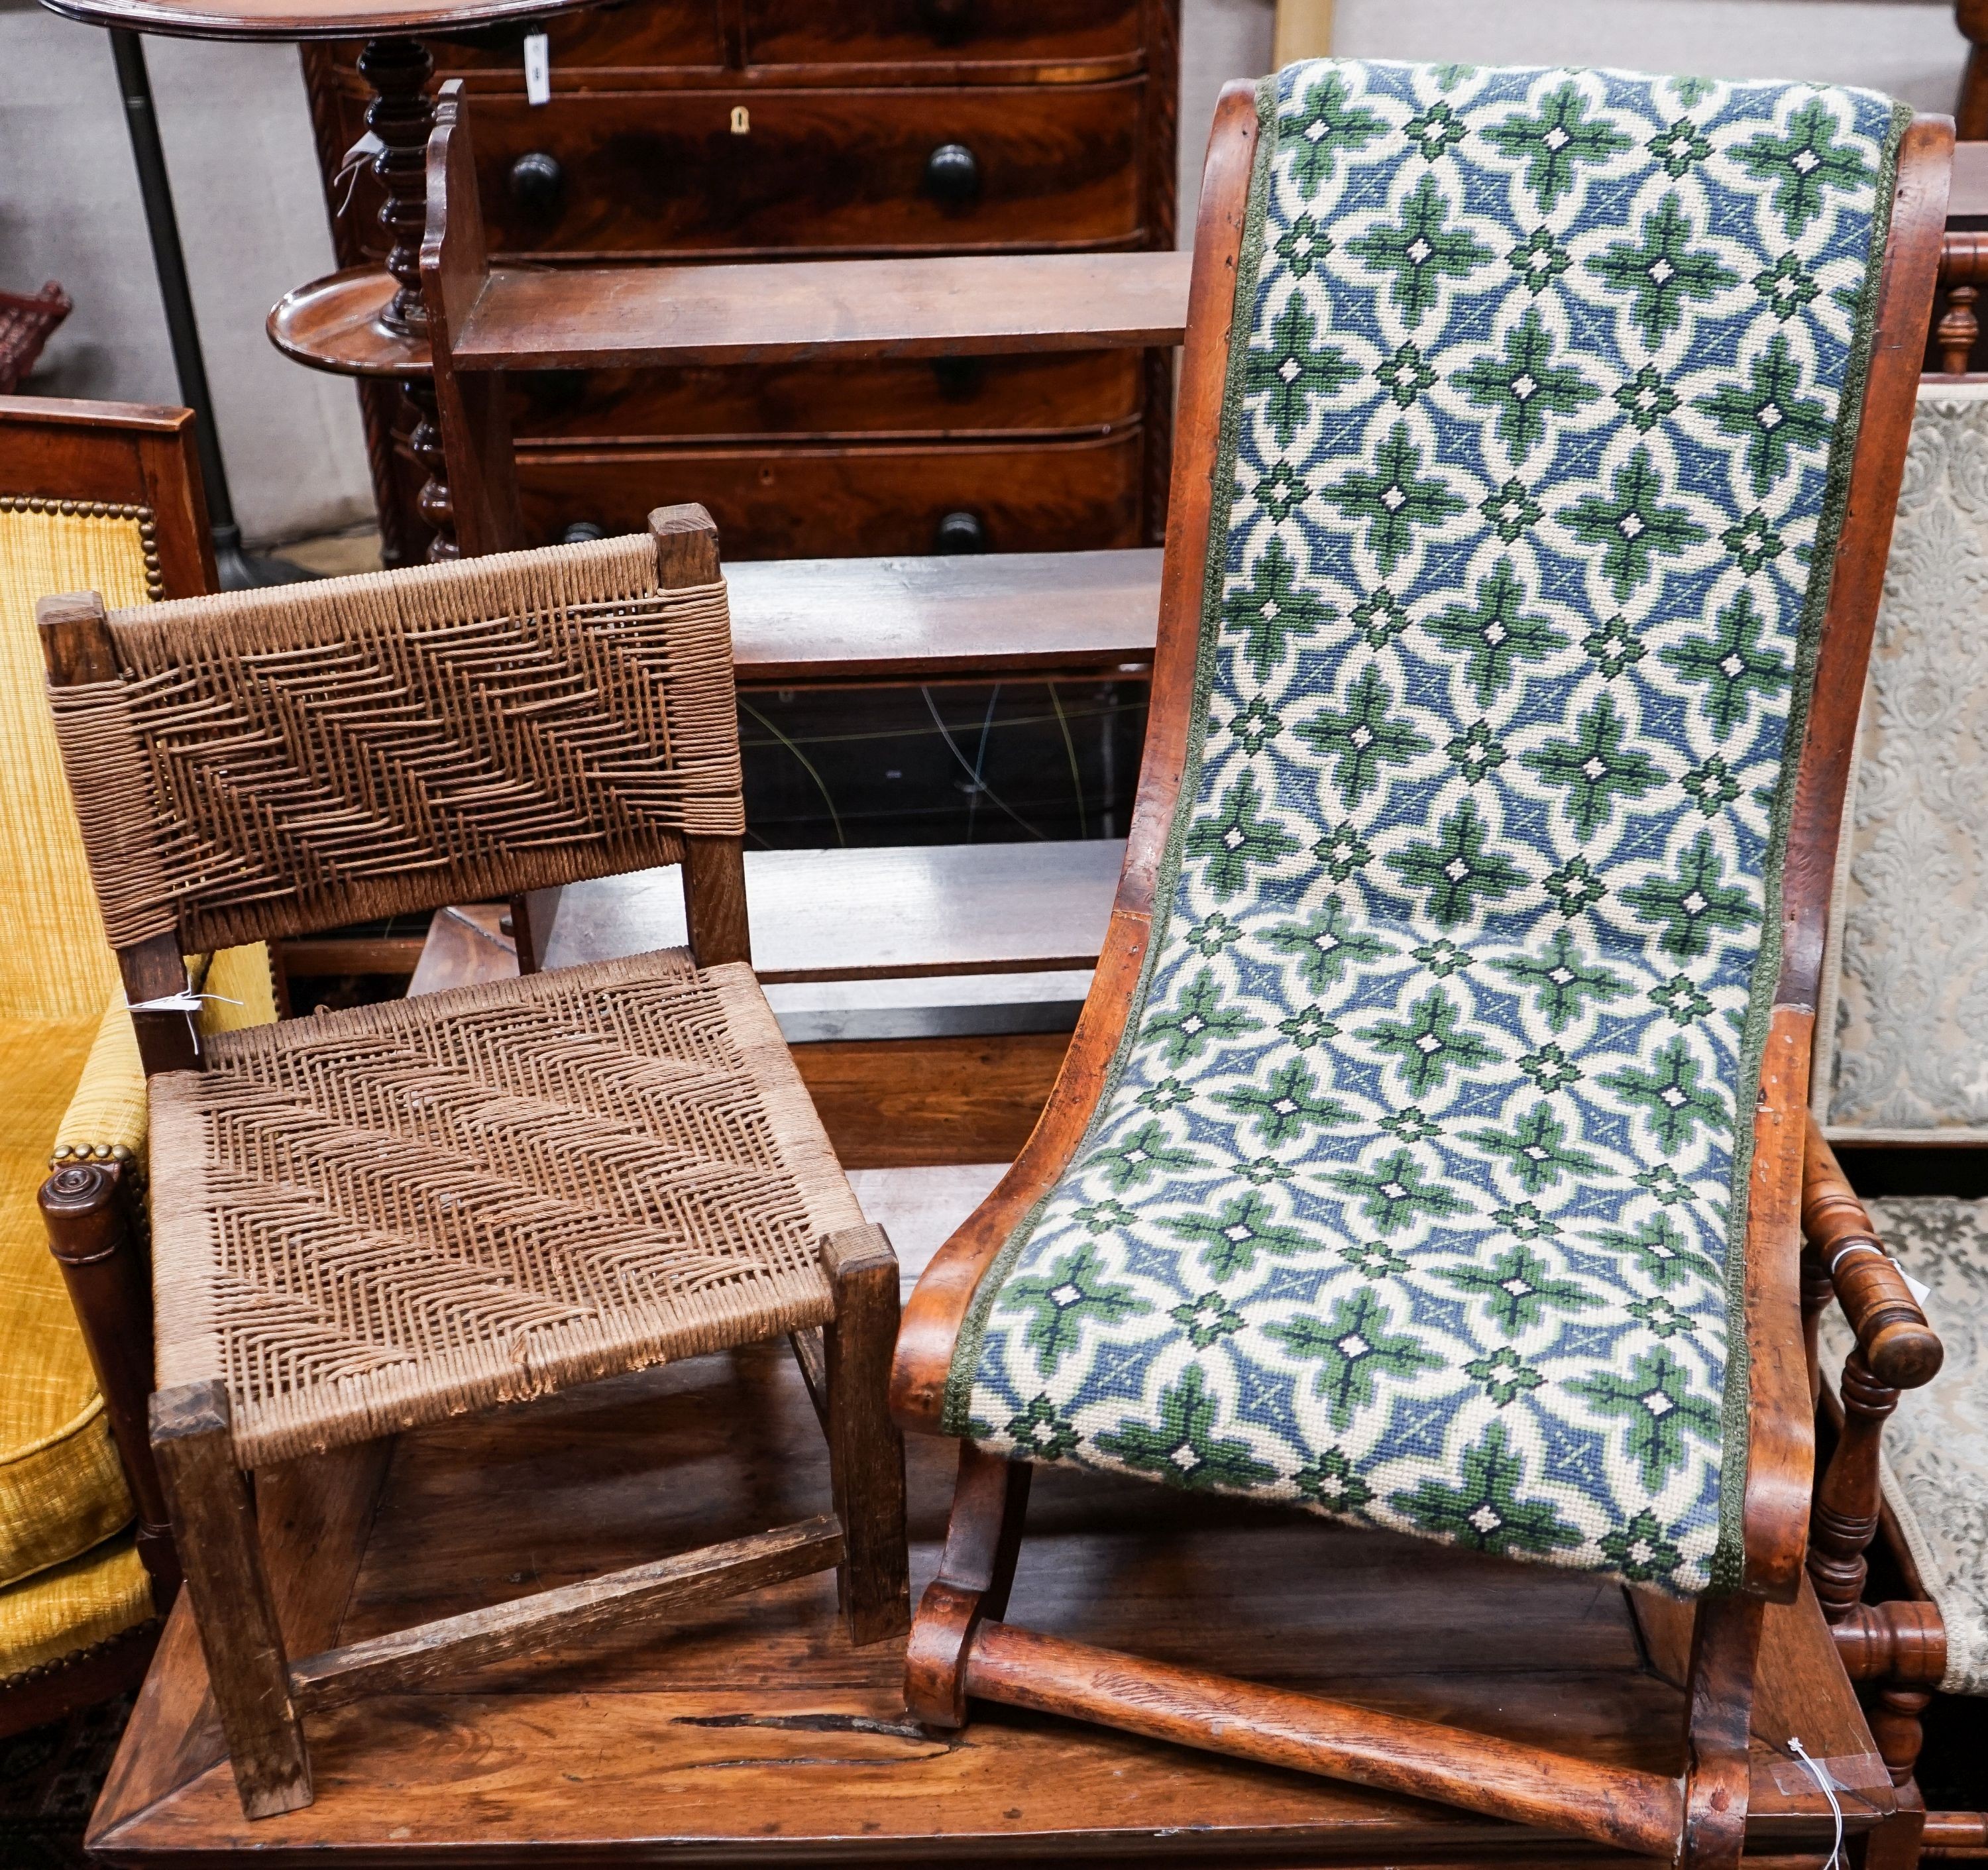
1970,113
1963,271
1847,1504
1899,1349
438,510
1817,1289
401,116
1902,1645
1958,329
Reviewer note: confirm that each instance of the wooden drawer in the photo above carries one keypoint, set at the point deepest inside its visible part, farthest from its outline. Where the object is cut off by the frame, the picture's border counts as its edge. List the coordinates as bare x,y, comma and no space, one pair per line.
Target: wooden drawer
634,33
963,395
816,172
895,31
817,501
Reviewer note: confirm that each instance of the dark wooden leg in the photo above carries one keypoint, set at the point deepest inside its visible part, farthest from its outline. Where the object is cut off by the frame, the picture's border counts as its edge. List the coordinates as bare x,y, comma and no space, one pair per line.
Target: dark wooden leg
983,1538
110,1283
1970,111
525,935
435,503
401,116
865,1450
222,1555
1726,1643
1847,1505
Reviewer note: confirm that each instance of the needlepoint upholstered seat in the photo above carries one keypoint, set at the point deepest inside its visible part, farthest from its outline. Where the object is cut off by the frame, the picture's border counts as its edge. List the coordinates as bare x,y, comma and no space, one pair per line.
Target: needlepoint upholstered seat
1402,1171
1412,1198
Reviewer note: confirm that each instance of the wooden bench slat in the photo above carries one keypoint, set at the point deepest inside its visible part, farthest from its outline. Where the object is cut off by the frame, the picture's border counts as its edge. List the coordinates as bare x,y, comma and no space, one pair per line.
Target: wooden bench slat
581,317
869,914
798,622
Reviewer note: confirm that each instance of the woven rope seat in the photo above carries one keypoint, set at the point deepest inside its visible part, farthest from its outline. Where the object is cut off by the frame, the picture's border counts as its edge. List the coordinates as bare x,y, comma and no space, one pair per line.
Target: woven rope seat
384,1216
379,1217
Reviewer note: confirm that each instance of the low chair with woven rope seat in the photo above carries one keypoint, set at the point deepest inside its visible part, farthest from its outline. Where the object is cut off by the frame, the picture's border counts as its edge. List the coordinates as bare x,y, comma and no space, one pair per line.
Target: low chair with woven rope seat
1429,1152
380,1218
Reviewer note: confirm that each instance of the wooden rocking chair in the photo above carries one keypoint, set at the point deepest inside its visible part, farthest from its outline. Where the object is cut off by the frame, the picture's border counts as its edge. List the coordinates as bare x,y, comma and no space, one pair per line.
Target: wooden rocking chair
1526,536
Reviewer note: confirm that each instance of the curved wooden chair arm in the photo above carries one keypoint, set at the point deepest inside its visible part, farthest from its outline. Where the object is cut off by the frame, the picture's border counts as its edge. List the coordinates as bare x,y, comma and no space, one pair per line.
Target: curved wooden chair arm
1900,1348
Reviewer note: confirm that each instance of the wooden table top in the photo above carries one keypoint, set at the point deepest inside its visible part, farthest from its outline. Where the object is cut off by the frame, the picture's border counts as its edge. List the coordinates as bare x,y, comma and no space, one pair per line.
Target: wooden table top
290,20
753,1734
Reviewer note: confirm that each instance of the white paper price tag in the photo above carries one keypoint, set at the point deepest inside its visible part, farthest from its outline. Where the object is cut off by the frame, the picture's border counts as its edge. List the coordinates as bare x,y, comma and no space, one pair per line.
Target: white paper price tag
1920,1293
538,69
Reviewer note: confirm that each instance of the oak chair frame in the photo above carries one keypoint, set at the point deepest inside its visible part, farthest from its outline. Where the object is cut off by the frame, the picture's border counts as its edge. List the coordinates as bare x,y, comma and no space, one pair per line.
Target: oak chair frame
261,1694
134,460
961,1647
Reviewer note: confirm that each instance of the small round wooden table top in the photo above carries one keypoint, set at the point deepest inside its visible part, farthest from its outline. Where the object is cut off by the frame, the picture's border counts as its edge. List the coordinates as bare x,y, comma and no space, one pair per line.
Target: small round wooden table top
289,20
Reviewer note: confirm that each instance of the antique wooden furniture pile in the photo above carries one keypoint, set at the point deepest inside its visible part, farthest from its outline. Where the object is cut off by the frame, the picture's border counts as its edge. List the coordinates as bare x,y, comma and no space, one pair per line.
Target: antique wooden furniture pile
1430,1155
105,496
696,129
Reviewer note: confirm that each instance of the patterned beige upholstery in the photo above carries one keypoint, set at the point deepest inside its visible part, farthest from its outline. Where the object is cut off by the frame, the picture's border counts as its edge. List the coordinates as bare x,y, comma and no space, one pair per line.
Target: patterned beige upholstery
1902,1048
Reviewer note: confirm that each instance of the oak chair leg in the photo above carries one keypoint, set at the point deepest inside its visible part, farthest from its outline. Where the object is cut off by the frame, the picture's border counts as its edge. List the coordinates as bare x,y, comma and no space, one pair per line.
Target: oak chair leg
214,1523
1724,1647
983,1539
866,1451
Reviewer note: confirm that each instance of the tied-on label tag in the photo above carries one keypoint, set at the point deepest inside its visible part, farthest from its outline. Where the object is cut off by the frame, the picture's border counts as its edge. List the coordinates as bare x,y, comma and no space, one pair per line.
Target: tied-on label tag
1920,1293
538,69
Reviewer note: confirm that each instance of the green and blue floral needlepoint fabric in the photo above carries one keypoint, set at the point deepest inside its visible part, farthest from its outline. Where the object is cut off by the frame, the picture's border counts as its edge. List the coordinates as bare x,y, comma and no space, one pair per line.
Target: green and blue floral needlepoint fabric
1412,1196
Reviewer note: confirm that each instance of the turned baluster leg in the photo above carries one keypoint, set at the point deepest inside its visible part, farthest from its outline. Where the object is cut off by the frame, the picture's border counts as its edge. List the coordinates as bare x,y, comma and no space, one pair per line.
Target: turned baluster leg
437,508
1959,330
1902,1646
402,116
86,1208
1845,1519
1817,1289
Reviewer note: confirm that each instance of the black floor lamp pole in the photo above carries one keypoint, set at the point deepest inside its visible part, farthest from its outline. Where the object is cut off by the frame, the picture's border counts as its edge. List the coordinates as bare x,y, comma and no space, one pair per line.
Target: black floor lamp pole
239,571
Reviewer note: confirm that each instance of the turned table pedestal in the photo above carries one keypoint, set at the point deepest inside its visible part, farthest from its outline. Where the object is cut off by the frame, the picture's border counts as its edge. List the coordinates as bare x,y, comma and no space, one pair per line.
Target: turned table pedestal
366,321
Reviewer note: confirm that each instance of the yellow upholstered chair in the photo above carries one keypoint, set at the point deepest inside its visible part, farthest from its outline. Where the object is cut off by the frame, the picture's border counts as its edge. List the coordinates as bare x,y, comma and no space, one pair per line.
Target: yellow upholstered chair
102,496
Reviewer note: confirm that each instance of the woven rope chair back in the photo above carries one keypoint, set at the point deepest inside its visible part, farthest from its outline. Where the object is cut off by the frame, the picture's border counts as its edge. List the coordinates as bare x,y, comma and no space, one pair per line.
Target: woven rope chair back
270,763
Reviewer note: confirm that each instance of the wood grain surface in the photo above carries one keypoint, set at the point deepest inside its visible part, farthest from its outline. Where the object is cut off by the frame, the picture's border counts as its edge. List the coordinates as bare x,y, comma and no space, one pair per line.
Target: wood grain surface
807,499
856,914
795,622
751,1733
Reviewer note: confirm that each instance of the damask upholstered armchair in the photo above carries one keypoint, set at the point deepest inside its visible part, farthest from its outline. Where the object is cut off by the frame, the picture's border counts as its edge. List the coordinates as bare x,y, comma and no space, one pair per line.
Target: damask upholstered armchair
380,1218
1429,1153
1902,1059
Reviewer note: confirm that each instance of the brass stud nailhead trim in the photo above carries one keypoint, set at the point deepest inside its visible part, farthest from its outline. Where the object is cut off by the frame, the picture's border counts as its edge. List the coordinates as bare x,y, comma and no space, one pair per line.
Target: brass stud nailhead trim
148,539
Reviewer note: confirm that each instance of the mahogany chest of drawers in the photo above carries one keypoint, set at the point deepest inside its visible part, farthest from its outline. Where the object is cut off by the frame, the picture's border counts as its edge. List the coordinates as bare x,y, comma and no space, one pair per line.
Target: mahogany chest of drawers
687,129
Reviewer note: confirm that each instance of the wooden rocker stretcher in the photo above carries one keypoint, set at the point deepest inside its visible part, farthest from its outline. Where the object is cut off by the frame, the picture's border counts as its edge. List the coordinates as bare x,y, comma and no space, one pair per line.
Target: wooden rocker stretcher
1327,379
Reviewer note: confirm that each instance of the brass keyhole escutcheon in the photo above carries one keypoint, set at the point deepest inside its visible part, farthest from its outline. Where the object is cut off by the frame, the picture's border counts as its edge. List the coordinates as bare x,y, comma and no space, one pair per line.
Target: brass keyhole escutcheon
741,121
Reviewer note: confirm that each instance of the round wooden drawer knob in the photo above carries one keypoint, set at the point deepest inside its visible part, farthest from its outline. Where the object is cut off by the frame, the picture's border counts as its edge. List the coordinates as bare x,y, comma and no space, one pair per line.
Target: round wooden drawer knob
538,183
952,175
961,531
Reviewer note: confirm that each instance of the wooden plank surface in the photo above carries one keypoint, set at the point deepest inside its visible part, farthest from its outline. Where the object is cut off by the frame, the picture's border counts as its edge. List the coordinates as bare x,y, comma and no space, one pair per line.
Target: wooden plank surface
598,317
797,622
850,914
752,1733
